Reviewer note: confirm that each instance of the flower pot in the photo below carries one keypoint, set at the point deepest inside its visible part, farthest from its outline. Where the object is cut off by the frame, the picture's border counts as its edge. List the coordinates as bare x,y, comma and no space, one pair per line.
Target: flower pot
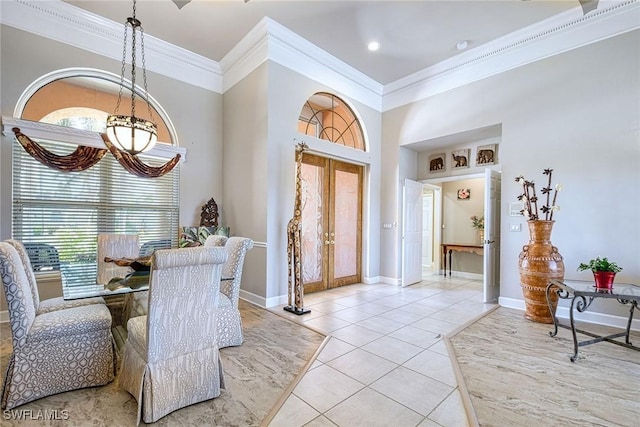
604,279
481,237
539,263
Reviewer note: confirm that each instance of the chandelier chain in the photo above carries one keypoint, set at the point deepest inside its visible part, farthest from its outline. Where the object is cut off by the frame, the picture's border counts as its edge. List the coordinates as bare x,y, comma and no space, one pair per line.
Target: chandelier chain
122,70
133,23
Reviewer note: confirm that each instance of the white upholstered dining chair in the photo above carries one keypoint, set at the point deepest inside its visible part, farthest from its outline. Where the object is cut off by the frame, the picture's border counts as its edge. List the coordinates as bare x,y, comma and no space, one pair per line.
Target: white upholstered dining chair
50,304
229,320
54,351
171,357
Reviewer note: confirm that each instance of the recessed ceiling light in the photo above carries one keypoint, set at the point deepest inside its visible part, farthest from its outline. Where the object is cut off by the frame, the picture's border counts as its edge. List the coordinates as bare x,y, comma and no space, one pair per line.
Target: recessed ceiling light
373,46
462,45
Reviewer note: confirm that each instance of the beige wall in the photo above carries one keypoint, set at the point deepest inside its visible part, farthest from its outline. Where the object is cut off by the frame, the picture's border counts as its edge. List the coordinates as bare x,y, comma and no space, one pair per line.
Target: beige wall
456,221
195,113
260,130
578,113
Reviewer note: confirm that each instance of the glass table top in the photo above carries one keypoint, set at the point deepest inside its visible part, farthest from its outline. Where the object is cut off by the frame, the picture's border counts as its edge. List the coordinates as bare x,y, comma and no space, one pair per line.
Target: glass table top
588,288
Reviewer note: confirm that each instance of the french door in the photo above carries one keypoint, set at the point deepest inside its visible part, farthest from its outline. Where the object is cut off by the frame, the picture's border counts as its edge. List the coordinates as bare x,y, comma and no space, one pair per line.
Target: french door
331,223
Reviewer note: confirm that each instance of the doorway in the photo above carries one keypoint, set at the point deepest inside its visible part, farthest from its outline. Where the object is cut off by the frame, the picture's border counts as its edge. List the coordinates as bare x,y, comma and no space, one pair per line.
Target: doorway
331,222
440,197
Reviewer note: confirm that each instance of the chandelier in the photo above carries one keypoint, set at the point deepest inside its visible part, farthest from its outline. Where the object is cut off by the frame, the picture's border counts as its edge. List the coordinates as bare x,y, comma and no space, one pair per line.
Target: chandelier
130,133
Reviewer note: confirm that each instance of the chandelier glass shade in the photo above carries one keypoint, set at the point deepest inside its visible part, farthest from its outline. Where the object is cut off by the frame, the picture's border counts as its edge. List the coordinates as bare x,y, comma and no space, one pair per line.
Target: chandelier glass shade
131,134
128,132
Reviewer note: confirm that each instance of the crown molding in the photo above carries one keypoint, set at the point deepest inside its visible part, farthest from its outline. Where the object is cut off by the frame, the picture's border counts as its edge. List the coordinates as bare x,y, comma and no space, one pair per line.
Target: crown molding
269,40
558,34
76,27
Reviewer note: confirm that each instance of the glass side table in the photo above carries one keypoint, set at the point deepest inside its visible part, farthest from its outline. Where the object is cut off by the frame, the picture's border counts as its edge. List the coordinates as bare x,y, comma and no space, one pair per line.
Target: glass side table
582,294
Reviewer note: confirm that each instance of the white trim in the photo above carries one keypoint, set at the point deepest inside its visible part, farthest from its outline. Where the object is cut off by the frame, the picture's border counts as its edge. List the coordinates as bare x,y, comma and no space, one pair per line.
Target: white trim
62,22
269,40
259,244
49,132
42,81
587,316
558,34
389,280
262,301
462,275
371,280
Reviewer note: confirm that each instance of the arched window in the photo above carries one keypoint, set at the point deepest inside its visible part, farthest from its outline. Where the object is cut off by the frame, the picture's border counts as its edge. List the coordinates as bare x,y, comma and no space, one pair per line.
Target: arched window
328,117
65,211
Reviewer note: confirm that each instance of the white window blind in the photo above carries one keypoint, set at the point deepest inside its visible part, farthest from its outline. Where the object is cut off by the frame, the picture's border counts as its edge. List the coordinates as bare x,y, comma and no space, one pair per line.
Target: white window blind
58,215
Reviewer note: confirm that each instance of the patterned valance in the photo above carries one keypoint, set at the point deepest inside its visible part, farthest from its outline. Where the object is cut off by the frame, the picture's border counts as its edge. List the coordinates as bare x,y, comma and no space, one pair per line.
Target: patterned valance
85,157
135,166
81,159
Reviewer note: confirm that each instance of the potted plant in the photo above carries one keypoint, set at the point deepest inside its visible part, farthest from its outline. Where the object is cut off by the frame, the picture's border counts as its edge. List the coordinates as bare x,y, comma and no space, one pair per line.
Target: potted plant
604,271
477,222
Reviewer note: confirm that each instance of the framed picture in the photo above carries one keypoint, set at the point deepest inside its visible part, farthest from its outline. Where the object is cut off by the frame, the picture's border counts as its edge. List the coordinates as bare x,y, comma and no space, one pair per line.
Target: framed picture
486,155
436,162
464,194
460,158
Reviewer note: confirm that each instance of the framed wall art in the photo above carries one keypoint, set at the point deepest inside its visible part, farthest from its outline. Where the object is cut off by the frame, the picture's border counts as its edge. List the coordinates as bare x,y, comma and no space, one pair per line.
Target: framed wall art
486,155
437,162
460,158
464,194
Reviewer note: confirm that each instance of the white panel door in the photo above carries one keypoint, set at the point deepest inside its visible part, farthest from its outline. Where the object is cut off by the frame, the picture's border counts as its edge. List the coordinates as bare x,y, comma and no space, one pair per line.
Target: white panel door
492,235
411,233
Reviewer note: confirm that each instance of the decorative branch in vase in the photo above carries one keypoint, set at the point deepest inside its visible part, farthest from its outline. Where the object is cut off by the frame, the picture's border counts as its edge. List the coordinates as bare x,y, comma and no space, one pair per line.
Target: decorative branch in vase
529,198
539,262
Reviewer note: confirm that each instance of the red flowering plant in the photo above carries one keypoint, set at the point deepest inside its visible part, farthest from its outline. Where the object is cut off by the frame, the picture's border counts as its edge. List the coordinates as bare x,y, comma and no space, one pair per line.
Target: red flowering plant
529,198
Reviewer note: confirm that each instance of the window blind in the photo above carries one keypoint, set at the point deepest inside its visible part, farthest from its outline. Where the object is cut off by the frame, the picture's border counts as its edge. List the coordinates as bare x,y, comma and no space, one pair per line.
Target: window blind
58,215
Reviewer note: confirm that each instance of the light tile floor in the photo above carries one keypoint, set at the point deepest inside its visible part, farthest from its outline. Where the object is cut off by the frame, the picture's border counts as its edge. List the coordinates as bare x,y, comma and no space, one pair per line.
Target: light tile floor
385,363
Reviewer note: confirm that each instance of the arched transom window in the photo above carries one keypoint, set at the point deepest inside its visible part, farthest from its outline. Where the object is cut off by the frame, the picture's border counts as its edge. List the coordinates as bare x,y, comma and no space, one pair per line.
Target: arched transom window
328,117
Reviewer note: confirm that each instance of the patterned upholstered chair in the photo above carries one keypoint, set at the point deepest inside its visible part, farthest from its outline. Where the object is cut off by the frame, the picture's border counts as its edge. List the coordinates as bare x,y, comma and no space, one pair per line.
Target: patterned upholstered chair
51,304
53,352
229,320
115,246
171,357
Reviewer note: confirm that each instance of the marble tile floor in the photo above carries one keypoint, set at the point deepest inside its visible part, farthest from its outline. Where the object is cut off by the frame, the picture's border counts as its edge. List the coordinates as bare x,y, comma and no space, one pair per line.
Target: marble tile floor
385,363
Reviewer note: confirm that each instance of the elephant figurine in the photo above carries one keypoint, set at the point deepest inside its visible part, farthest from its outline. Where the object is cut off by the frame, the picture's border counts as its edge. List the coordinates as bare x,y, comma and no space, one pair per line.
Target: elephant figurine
436,164
460,161
485,156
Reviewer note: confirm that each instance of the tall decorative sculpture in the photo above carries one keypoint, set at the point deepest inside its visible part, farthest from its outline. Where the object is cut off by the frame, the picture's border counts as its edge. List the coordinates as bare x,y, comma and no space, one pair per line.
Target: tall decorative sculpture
294,244
209,214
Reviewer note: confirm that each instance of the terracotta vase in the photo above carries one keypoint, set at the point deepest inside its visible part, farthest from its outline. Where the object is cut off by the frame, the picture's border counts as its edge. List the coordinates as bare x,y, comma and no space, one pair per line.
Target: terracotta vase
604,279
539,262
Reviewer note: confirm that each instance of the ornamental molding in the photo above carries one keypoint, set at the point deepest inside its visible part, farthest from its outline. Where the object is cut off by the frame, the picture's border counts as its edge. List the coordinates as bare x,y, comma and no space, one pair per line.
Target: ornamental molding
269,40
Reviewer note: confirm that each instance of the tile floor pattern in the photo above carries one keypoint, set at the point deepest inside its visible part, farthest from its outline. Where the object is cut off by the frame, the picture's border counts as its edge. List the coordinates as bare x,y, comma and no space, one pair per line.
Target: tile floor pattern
385,363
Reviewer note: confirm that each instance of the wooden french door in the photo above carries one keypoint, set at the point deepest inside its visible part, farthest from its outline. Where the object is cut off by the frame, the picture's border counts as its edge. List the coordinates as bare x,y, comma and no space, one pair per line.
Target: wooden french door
331,223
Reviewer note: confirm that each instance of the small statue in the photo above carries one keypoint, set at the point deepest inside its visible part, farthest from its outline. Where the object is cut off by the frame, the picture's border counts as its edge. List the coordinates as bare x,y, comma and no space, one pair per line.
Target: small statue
209,214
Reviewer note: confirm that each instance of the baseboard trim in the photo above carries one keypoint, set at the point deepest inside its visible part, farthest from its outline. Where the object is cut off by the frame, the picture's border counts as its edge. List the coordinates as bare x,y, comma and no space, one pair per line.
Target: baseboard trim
587,316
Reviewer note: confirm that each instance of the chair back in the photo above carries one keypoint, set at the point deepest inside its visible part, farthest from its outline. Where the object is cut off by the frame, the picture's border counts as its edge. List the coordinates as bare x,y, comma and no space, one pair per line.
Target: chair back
28,270
216,240
183,301
237,248
115,246
17,290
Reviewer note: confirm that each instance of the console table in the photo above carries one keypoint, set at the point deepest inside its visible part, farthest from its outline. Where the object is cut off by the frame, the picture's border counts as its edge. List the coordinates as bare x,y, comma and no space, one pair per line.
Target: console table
582,294
458,247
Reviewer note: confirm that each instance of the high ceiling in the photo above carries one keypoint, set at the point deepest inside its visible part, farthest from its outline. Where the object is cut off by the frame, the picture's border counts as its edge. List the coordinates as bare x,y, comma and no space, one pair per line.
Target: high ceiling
413,35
